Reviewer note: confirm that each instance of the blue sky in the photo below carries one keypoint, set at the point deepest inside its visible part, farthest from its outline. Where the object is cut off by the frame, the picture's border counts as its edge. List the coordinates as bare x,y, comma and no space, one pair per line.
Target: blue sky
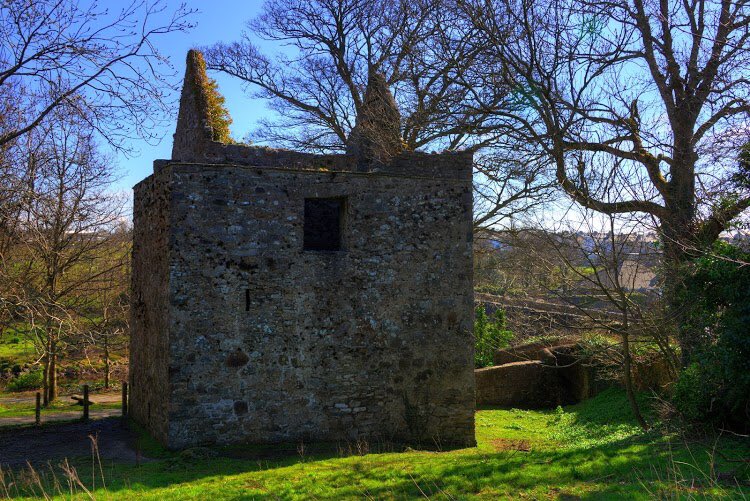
216,20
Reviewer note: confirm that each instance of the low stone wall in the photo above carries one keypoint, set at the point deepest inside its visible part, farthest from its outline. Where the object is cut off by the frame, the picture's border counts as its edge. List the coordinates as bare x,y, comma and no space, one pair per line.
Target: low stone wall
527,385
536,376
653,375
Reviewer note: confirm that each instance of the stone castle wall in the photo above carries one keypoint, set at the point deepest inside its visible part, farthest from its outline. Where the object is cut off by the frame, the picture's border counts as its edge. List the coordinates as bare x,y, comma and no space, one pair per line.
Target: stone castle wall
150,305
269,342
244,330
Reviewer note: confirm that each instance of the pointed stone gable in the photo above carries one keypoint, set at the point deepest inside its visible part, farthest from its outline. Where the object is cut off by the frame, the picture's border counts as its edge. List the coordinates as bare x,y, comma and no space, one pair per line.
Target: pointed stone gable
193,132
376,137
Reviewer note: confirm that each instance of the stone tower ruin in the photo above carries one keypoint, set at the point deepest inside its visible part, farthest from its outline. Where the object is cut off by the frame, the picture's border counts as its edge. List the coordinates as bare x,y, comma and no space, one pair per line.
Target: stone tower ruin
282,296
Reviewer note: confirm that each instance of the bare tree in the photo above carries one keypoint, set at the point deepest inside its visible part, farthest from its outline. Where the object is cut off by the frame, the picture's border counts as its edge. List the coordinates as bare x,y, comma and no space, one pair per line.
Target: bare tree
610,264
331,48
508,188
520,262
63,247
639,107
101,65
106,312
81,69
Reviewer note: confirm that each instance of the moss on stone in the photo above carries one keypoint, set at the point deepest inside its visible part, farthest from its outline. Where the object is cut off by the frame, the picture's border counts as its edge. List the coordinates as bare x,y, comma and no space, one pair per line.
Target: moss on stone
218,115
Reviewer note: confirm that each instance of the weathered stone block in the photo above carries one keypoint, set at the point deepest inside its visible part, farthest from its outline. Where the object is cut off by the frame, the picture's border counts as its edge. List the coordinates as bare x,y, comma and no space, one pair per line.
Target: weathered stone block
526,385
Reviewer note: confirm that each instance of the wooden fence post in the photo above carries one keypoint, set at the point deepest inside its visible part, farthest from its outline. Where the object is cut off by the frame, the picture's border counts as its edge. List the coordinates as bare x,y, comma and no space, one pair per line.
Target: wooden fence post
38,410
85,402
124,400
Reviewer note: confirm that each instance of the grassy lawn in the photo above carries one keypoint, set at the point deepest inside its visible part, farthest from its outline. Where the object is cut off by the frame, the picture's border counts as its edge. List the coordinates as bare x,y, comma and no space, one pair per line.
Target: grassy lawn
590,451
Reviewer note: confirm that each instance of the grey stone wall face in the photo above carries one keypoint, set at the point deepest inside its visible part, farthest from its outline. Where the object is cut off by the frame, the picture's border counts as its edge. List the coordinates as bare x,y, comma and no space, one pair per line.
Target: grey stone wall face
267,342
150,309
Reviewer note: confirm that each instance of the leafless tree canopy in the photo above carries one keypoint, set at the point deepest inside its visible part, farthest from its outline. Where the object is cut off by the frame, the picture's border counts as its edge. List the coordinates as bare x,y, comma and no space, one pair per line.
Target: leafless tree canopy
330,47
639,106
100,63
60,246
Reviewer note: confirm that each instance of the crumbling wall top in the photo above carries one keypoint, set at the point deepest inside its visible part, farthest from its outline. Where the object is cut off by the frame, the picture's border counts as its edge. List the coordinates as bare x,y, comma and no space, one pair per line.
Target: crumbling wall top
376,137
374,146
193,134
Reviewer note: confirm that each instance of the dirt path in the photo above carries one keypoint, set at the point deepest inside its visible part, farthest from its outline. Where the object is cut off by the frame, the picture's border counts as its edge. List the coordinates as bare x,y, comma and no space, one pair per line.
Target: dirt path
30,397
49,417
71,440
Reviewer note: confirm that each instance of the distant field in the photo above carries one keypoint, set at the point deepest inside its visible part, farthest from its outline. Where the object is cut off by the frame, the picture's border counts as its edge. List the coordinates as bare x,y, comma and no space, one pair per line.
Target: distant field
589,451
16,349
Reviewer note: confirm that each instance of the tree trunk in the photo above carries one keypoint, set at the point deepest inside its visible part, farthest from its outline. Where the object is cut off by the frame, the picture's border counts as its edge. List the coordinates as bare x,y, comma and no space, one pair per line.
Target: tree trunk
106,361
52,372
625,334
628,379
45,372
678,239
678,247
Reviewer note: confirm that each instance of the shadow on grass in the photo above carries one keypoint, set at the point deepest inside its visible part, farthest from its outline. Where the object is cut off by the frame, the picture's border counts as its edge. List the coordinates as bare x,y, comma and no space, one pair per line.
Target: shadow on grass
583,463
625,469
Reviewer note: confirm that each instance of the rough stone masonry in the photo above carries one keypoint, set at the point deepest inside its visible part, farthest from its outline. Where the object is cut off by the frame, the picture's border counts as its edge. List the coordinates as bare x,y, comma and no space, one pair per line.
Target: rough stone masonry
280,296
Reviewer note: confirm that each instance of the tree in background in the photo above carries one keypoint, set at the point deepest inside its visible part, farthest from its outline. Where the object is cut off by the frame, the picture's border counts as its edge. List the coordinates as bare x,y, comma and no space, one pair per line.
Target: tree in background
715,388
508,188
105,313
332,46
639,107
610,266
423,48
490,334
522,262
63,249
72,74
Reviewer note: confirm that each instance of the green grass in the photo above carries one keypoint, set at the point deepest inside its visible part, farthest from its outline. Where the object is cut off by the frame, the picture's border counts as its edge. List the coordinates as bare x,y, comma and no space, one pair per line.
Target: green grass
592,451
63,404
16,348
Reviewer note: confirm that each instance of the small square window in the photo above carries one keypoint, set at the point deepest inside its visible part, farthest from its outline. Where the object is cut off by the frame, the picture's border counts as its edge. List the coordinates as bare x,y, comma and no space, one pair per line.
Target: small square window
324,219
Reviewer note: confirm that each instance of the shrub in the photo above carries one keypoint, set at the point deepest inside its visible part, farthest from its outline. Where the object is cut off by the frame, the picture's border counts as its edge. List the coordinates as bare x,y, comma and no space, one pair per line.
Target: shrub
691,394
715,387
218,115
31,380
490,334
497,290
